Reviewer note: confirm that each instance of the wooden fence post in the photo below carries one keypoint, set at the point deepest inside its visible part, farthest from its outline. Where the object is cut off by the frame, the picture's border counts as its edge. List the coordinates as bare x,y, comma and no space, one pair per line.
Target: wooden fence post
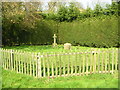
64,65
68,72
99,60
91,62
52,66
112,60
16,60
83,63
44,74
1,60
80,63
116,61
39,65
60,61
48,66
1,57
56,64
119,62
86,57
109,56
103,62
11,58
95,62
36,65
106,61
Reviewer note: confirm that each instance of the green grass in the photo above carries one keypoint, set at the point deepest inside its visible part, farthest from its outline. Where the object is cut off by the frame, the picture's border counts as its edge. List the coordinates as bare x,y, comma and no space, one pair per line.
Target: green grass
49,48
42,48
13,80
96,32
62,61
59,50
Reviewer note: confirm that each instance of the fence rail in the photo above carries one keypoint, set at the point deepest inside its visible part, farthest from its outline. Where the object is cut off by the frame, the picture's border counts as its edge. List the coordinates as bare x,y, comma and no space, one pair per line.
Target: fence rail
60,64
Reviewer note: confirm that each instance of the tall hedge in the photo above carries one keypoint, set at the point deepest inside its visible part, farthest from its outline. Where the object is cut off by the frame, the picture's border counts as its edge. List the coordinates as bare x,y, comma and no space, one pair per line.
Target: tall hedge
97,32
42,33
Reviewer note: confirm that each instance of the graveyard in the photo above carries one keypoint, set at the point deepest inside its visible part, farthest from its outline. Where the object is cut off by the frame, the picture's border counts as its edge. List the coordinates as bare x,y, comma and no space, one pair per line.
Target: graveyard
67,48
52,77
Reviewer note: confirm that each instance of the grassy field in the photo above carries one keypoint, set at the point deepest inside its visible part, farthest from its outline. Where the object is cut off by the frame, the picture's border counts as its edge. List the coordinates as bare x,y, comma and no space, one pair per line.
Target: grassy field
59,50
14,80
49,48
44,48
62,61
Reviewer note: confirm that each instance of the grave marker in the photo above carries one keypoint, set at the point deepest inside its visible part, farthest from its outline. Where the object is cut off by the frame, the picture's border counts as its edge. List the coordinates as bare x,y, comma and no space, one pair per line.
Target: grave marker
67,46
54,44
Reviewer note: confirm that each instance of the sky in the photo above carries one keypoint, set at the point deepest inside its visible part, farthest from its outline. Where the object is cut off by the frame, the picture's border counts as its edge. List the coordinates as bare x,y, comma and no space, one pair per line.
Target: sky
85,3
92,3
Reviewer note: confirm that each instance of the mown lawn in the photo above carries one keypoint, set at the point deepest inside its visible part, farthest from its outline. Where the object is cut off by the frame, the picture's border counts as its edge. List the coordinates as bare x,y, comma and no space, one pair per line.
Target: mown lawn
11,79
49,48
45,48
60,50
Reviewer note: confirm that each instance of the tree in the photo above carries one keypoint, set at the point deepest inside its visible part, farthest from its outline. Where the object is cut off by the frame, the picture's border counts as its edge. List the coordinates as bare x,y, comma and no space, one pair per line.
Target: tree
62,14
73,12
17,20
33,6
54,5
88,12
98,10
77,4
114,8
69,13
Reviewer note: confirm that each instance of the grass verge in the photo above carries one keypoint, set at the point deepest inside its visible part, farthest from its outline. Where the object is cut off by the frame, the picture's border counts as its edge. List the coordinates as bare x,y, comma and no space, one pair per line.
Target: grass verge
13,80
49,48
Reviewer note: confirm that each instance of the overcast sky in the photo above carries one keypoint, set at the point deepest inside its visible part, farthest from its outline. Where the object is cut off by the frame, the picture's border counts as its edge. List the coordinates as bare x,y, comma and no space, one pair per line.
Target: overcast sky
91,3
85,3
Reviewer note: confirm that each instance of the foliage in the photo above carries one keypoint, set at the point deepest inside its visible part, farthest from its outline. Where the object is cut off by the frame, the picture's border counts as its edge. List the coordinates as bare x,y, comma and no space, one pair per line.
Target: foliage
72,12
43,32
20,25
14,80
95,32
46,48
68,13
64,13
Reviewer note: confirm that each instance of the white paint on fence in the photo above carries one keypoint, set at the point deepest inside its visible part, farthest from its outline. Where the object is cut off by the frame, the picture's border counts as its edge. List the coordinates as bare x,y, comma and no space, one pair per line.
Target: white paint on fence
60,64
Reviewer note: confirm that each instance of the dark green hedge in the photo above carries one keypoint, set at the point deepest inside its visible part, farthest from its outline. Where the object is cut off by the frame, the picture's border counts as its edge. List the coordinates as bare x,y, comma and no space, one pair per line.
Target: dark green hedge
42,33
93,32
96,32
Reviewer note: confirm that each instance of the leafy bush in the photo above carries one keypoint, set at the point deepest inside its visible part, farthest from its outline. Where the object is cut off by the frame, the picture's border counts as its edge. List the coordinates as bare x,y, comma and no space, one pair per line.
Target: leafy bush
71,12
41,33
96,32
98,27
24,27
68,13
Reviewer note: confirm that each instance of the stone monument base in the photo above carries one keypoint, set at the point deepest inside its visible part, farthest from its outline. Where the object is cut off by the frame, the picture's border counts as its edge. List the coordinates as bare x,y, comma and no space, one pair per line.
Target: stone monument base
67,46
54,44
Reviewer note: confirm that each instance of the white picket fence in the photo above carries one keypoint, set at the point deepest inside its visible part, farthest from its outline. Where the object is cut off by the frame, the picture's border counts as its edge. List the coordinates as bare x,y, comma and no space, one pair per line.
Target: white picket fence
60,63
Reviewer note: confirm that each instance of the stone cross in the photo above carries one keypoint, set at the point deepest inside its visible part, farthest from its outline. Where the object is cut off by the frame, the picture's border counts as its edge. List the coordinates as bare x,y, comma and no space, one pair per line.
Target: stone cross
54,44
54,38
